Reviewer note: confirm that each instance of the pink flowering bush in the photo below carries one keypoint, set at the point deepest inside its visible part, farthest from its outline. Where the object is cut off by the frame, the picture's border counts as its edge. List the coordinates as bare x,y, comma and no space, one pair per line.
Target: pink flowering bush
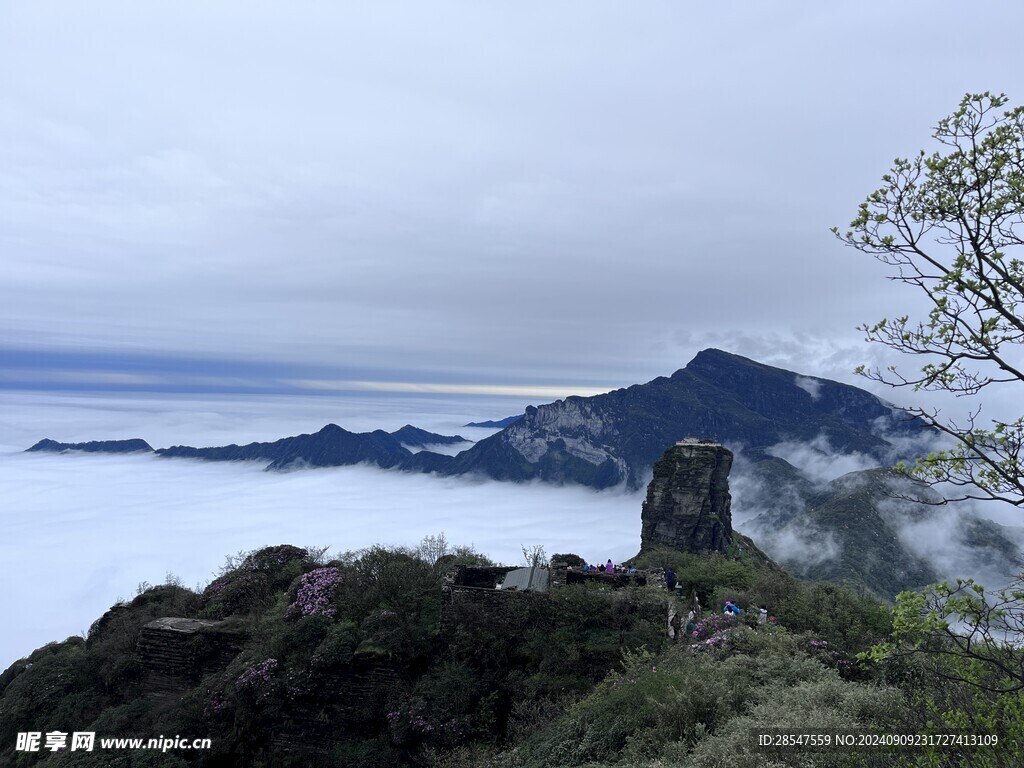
255,682
719,632
411,725
216,705
247,583
257,675
717,642
712,625
832,656
316,589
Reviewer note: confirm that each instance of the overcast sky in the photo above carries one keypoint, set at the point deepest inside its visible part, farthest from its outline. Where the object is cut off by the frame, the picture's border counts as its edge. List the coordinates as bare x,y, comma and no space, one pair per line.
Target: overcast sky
574,196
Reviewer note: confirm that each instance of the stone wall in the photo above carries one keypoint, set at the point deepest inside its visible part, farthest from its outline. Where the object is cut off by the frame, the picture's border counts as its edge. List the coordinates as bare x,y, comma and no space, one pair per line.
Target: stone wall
174,653
351,697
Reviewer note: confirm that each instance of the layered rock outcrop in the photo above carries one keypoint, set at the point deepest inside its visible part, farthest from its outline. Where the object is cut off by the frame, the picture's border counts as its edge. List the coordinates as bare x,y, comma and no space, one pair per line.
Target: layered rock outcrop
688,506
174,653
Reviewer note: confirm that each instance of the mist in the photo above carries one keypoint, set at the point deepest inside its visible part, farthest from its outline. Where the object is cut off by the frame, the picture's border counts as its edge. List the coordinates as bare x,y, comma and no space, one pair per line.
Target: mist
776,518
818,461
940,535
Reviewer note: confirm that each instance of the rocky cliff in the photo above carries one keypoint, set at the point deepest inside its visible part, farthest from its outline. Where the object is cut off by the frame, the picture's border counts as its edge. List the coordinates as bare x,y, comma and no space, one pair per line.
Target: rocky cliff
688,503
174,653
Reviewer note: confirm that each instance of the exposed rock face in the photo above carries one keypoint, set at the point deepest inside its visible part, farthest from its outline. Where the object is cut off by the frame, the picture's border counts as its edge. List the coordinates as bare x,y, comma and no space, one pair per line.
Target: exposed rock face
688,502
175,652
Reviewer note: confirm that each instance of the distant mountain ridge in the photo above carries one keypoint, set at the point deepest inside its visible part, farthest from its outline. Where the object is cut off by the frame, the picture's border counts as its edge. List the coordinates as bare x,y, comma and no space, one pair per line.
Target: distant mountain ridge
330,447
495,424
135,445
418,438
608,439
842,529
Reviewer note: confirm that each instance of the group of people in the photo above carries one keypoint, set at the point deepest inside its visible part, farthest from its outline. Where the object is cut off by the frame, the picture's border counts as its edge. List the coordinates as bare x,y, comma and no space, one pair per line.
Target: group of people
609,568
732,609
676,630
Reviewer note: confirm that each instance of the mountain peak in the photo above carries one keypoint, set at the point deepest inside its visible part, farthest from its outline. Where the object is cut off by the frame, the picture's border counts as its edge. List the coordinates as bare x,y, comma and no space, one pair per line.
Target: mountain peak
332,429
715,358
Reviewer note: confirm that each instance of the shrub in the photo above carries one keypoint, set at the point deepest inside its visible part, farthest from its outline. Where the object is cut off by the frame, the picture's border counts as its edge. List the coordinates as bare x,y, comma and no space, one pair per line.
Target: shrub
661,709
315,592
248,583
336,649
257,675
570,559
815,705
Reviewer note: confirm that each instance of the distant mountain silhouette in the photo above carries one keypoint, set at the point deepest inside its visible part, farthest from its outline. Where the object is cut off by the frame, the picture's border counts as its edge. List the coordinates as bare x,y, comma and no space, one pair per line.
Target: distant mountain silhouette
498,424
331,446
96,446
608,439
417,438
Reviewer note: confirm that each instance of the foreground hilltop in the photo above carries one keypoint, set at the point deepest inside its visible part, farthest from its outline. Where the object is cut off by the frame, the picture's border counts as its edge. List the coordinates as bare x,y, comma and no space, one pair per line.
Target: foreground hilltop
375,659
378,659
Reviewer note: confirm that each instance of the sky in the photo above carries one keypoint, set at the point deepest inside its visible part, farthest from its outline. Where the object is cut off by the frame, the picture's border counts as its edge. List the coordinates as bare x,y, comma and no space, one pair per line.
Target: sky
532,199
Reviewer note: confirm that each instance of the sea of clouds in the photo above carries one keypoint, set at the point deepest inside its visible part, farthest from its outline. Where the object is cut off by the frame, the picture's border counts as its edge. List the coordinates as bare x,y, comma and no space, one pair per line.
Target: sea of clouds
83,530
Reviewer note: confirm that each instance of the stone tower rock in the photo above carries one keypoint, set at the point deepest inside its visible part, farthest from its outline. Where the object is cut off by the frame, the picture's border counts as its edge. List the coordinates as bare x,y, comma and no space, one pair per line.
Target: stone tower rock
688,502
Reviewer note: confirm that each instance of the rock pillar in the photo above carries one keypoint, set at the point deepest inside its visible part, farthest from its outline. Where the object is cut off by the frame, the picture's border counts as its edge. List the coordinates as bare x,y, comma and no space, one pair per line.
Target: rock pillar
688,502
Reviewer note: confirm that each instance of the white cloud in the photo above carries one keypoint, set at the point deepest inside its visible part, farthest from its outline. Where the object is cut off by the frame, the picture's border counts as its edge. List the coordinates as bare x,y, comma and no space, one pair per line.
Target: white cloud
818,461
502,390
809,385
938,534
797,546
207,420
446,449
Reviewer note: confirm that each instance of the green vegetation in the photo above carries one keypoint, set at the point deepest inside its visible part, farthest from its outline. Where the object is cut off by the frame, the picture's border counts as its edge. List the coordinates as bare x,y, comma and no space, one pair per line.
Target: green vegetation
354,662
947,224
342,662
